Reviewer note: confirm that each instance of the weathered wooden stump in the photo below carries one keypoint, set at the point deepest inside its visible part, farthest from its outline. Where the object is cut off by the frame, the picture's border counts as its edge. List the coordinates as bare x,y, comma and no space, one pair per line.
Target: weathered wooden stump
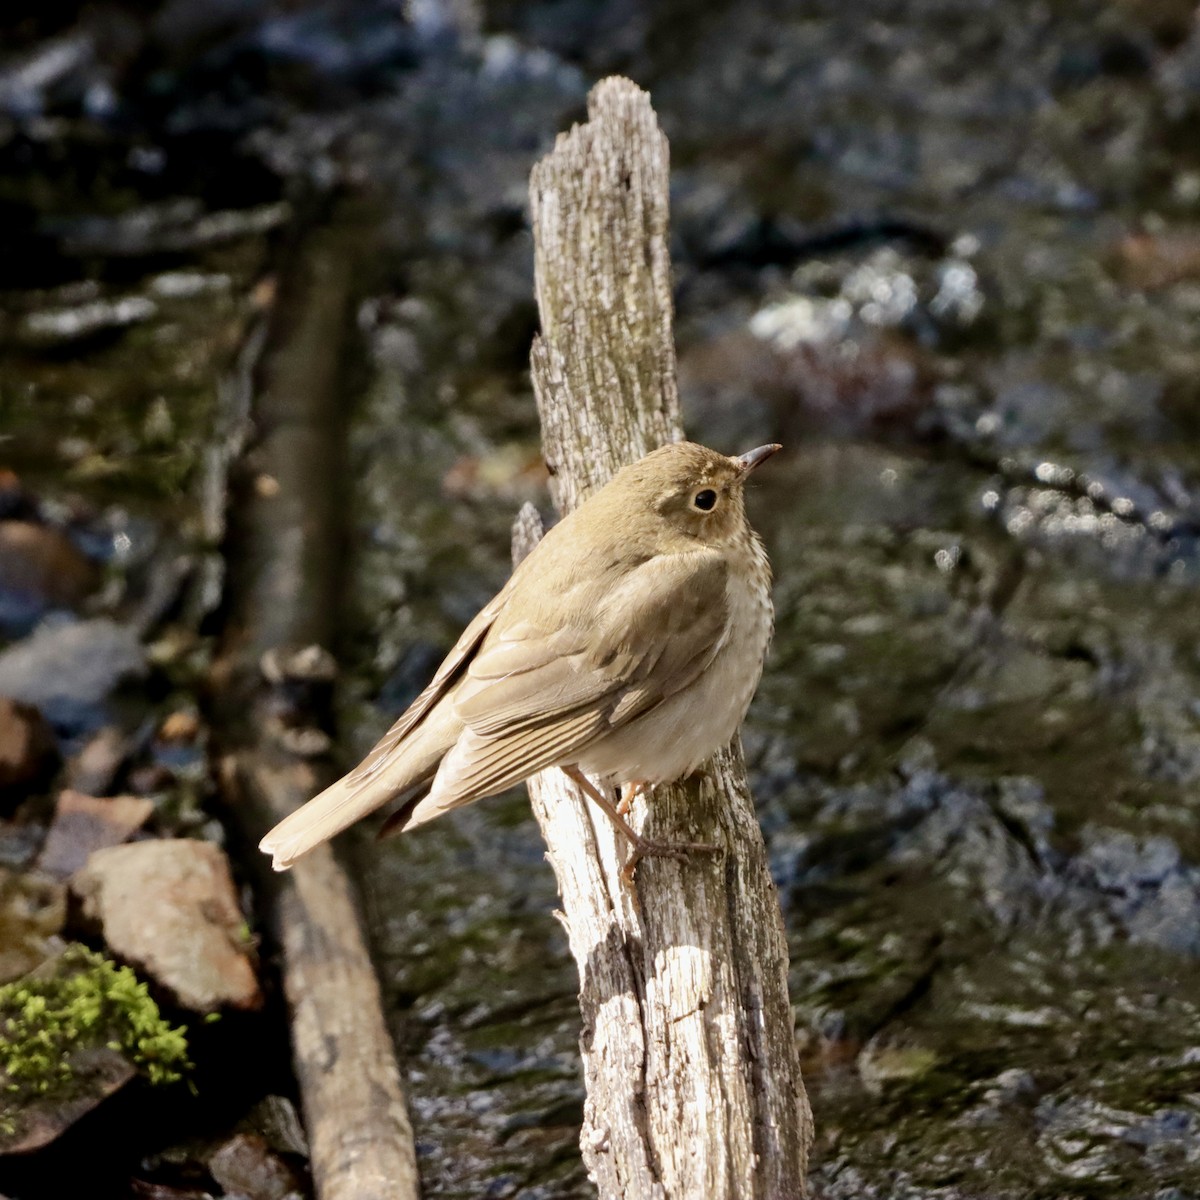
693,1085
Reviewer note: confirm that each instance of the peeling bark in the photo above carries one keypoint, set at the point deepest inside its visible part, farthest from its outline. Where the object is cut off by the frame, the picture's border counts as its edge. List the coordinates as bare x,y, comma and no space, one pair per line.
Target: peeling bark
693,1084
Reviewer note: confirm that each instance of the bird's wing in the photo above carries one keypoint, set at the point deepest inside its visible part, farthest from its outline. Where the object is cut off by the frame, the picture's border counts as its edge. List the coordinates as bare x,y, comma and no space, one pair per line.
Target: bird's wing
443,679
405,758
532,697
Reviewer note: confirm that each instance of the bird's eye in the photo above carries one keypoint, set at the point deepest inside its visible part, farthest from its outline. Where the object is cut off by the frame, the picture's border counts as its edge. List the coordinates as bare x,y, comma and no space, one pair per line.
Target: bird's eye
705,500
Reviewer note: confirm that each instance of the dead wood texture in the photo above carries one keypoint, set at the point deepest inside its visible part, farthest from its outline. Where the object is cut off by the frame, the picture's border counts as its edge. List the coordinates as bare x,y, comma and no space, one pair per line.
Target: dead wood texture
284,584
693,1085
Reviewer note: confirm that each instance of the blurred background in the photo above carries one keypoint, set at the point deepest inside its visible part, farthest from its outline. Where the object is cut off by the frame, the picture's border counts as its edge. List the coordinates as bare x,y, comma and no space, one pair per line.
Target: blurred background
947,253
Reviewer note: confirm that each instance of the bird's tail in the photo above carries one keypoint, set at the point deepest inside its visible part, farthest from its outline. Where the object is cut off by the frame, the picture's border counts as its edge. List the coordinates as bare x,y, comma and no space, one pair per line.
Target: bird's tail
396,768
324,817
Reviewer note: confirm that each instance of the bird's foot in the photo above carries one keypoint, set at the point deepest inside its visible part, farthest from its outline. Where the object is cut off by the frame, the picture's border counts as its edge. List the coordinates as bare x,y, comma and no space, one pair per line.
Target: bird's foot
629,793
644,847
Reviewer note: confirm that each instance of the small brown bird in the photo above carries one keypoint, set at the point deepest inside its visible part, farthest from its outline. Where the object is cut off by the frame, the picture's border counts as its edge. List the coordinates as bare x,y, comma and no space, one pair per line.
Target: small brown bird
627,645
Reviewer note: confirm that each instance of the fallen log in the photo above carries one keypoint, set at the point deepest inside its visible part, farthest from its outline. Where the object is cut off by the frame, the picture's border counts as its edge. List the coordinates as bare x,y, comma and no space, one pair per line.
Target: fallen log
283,592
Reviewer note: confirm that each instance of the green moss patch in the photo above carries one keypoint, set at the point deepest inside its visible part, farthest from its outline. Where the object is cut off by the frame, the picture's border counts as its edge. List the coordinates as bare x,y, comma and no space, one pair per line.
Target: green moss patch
51,1023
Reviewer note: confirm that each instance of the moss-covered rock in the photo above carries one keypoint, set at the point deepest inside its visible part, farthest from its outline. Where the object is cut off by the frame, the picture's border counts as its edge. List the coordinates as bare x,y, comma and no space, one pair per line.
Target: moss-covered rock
72,1033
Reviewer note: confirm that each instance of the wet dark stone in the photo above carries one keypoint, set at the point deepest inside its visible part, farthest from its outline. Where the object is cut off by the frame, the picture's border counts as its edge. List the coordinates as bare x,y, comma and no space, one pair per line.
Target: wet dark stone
33,910
148,779
27,752
246,1166
996,847
99,1072
69,669
94,768
1151,893
41,569
301,695
83,824
15,502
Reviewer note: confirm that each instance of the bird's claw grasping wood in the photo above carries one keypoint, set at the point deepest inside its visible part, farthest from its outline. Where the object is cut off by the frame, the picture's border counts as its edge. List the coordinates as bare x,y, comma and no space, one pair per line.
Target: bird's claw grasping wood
640,847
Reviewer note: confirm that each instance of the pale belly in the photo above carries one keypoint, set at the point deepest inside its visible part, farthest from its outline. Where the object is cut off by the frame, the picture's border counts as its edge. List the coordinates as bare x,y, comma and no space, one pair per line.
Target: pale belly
674,738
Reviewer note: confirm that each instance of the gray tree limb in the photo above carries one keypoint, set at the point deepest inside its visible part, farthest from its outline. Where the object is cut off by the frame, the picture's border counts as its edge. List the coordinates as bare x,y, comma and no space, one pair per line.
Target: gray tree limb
693,1085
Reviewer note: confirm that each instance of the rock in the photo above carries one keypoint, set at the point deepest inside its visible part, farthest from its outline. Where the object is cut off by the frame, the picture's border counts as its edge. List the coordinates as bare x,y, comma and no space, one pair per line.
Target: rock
170,908
1084,1139
306,742
27,84
301,697
94,769
150,779
20,842
180,745
148,1189
275,1117
26,747
32,912
1150,891
77,1028
40,569
880,1064
83,824
61,326
96,1074
69,668
246,1166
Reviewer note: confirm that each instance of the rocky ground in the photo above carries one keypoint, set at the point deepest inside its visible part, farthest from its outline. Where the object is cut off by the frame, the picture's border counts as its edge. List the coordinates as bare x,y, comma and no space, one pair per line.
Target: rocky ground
948,254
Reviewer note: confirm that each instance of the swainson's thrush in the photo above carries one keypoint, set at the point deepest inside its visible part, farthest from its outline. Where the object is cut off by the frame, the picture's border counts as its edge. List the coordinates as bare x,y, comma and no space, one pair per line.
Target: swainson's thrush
627,645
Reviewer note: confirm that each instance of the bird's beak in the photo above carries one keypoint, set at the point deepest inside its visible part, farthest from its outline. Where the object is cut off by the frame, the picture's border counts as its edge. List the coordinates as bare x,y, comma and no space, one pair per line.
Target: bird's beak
753,458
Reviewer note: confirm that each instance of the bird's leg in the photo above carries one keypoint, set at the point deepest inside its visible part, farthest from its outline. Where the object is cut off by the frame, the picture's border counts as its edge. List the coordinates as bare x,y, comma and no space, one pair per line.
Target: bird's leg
643,847
629,793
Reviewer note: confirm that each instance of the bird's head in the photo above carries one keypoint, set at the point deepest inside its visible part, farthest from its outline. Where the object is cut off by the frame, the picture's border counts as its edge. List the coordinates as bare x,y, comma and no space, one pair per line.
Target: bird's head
696,493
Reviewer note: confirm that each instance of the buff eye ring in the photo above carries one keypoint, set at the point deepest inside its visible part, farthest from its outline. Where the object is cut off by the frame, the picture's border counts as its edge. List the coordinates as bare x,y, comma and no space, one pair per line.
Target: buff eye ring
705,500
